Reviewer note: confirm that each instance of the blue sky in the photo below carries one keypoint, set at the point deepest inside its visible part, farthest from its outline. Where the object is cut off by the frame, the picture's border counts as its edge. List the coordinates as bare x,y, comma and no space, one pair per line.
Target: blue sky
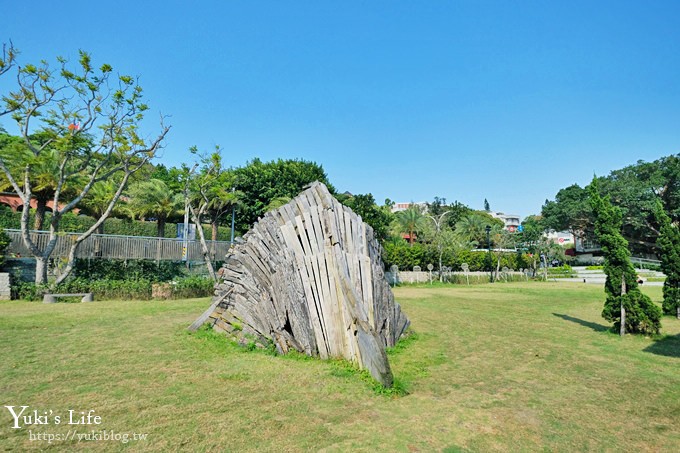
466,100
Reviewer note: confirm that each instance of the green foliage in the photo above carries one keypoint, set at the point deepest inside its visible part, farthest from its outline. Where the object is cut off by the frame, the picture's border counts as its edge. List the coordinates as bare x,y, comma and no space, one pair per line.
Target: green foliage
669,250
79,127
569,212
564,271
472,228
27,290
192,286
635,190
642,316
105,289
261,182
410,221
153,198
103,269
401,254
378,218
109,289
4,243
125,227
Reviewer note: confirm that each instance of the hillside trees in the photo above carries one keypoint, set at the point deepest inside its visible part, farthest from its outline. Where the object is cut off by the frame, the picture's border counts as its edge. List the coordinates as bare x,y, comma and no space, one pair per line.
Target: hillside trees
634,189
84,124
625,306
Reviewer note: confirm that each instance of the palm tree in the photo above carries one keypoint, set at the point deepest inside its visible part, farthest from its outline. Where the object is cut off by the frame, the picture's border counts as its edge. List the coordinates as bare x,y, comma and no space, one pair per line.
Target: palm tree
410,221
153,199
472,229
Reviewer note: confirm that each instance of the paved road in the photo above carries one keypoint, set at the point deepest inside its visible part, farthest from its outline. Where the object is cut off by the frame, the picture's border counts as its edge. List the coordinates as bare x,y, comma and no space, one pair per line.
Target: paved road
598,277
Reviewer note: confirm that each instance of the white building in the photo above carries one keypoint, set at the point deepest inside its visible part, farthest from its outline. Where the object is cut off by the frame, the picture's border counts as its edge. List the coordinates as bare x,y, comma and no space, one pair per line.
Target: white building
511,221
560,237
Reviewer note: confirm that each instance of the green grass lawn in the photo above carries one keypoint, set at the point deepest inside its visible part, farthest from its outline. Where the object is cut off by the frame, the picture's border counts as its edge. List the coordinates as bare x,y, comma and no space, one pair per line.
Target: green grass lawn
505,367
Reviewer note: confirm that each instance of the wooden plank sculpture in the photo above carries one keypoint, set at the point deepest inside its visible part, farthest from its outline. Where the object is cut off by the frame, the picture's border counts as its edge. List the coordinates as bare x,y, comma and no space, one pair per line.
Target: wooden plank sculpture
308,277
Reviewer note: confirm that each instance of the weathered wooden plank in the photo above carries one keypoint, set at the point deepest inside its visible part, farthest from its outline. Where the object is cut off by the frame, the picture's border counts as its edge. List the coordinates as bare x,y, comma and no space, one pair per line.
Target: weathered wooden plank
308,277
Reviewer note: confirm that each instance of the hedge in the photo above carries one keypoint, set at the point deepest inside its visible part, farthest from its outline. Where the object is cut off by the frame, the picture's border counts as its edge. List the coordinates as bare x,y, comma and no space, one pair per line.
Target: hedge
126,227
406,256
107,289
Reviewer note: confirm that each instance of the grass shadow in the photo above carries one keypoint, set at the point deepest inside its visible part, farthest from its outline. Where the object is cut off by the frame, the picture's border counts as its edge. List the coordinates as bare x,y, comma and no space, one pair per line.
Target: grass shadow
596,327
668,346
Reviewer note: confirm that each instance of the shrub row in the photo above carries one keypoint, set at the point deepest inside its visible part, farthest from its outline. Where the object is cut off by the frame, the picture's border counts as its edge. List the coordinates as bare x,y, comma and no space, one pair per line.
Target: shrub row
140,289
406,256
112,269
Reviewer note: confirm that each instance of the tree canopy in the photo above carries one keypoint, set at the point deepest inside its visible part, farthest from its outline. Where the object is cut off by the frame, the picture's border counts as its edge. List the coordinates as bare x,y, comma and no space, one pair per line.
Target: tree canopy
262,182
79,126
634,190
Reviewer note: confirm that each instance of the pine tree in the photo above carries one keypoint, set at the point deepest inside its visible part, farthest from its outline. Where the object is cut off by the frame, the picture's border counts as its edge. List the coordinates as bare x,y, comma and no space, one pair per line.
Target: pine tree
487,207
669,248
623,295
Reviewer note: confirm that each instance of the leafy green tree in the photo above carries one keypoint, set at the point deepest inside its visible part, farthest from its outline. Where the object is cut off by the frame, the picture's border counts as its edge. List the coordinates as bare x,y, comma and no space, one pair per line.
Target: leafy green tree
5,240
261,182
377,217
86,128
532,231
458,211
624,299
570,211
210,193
7,61
277,202
669,252
635,190
437,207
170,176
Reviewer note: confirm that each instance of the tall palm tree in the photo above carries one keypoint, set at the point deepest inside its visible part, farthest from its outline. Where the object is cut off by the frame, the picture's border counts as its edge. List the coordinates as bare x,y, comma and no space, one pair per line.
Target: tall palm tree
410,221
472,229
153,199
97,201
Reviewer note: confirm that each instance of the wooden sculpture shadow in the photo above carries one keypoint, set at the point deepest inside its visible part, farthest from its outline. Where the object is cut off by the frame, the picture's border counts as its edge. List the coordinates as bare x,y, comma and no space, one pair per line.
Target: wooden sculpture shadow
596,327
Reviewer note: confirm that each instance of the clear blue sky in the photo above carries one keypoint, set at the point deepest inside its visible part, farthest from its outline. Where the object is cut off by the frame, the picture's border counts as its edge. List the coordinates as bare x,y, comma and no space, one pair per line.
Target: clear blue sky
467,100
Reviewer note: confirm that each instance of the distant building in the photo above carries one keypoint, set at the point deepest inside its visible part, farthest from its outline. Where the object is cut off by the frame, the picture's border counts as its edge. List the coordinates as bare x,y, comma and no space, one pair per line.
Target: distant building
15,203
510,221
560,237
404,206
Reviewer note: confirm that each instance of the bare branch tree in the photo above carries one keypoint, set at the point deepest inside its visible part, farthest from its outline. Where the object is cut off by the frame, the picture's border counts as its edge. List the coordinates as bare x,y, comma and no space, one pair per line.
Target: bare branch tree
87,121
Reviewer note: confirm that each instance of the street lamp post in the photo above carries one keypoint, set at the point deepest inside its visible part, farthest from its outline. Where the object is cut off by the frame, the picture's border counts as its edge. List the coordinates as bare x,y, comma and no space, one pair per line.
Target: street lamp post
185,229
438,222
488,247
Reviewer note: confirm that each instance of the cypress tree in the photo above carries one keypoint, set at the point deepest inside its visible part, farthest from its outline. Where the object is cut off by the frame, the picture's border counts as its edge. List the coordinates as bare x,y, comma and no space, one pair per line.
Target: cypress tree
668,244
641,314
